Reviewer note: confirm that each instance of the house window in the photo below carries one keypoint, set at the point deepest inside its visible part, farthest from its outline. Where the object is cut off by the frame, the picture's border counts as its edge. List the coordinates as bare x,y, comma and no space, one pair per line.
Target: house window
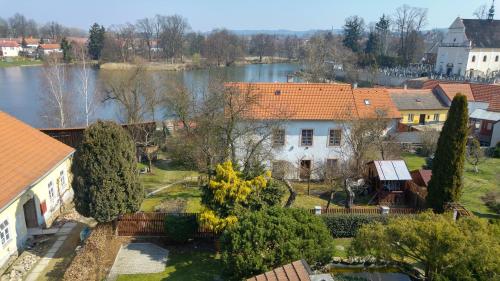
279,137
496,59
335,137
410,117
52,194
4,233
488,126
436,117
331,164
62,179
473,58
484,58
306,137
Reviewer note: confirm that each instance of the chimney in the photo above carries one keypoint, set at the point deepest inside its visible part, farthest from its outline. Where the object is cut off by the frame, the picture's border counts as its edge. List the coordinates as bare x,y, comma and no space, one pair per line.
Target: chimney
355,85
289,78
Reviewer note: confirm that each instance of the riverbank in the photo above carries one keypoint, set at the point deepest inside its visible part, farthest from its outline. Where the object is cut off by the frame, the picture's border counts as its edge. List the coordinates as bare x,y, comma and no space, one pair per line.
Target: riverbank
189,64
19,61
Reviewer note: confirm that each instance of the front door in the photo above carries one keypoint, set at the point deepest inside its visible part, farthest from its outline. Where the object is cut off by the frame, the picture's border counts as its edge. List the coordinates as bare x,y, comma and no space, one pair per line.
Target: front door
305,169
421,121
30,213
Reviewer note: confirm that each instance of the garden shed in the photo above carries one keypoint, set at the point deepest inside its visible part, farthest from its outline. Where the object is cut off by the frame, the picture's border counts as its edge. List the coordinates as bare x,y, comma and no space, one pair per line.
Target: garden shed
388,179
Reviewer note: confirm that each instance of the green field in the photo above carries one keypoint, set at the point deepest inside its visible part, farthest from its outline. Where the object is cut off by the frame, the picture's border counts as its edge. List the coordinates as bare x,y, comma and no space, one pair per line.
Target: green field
19,61
184,265
475,185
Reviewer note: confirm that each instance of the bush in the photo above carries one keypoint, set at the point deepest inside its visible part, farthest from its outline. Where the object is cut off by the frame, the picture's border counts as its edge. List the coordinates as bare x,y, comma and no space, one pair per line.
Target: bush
496,151
341,226
263,240
181,228
492,201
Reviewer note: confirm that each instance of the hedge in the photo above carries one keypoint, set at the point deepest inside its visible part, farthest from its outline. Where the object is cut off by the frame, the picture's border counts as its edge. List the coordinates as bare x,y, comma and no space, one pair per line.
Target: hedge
181,228
346,225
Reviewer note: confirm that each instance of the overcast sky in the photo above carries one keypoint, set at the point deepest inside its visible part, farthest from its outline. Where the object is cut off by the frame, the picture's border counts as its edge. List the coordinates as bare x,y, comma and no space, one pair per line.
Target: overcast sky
205,15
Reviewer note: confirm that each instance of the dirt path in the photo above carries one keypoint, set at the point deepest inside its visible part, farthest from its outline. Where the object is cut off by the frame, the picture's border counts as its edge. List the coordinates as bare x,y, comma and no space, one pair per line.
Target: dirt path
186,179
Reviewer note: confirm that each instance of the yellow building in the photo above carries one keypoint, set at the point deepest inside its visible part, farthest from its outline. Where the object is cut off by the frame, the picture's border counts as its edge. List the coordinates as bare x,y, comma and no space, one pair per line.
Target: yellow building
418,107
34,182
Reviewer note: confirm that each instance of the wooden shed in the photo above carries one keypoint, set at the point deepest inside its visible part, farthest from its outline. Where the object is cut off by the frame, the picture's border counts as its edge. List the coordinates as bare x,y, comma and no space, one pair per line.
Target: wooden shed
388,179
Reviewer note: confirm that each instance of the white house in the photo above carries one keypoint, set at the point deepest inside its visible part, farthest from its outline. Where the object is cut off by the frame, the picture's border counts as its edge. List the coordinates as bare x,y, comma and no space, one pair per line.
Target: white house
470,48
312,119
9,49
47,49
34,183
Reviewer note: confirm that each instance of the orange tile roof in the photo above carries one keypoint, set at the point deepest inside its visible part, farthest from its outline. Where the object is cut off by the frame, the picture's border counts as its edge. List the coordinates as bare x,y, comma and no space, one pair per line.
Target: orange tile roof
450,90
313,101
50,46
7,43
295,271
494,102
484,92
26,154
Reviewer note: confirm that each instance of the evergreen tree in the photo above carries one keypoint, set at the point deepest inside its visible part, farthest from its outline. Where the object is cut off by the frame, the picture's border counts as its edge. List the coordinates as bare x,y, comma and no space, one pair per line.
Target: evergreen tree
353,30
382,29
66,49
24,44
105,181
96,41
373,44
448,163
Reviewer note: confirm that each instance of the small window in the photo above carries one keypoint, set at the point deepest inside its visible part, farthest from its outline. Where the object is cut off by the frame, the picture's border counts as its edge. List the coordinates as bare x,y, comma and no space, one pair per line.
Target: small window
367,102
334,137
410,117
279,137
473,58
331,163
52,194
4,233
436,117
306,137
496,59
484,58
62,179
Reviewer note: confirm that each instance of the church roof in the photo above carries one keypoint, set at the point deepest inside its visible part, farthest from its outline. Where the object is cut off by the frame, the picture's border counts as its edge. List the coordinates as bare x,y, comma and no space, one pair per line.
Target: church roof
483,33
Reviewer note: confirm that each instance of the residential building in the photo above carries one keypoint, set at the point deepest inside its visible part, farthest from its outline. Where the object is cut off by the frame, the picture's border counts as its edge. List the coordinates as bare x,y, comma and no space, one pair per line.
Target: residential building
418,107
313,120
486,123
34,182
470,48
46,49
9,48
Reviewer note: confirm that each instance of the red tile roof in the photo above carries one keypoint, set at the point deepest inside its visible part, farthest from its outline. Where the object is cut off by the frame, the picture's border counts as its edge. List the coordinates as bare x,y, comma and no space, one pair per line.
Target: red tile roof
26,155
295,271
484,92
8,44
50,46
450,90
314,101
421,177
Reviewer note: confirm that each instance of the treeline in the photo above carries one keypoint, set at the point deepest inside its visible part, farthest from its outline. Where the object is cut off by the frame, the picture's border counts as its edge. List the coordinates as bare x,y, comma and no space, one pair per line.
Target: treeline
171,39
18,26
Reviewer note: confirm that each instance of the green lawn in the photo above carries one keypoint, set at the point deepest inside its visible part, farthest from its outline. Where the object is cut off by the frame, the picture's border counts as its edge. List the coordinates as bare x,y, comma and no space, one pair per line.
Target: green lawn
186,194
342,246
475,185
184,265
413,161
19,61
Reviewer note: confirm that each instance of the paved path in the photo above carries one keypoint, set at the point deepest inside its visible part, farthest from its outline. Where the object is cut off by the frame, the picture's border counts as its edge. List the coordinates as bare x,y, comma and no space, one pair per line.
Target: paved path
137,258
62,235
169,185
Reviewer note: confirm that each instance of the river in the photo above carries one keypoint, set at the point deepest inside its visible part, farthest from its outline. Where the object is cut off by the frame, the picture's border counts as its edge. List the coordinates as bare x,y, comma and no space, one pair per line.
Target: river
21,88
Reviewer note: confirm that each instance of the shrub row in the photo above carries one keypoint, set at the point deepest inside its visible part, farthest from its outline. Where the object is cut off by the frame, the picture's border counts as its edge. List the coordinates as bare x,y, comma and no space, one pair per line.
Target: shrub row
180,228
347,225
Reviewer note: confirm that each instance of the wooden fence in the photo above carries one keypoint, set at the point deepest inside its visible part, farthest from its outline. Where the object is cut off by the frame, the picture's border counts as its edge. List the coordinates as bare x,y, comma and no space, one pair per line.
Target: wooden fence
368,211
152,224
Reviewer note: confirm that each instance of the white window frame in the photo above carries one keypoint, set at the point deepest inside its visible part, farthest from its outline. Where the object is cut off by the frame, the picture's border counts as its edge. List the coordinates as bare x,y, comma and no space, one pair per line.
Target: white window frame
5,236
52,192
301,137
62,179
330,137
279,137
411,117
436,116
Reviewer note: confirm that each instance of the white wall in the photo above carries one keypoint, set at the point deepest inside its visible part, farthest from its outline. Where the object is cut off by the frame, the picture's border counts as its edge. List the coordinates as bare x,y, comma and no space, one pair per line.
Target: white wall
480,67
10,51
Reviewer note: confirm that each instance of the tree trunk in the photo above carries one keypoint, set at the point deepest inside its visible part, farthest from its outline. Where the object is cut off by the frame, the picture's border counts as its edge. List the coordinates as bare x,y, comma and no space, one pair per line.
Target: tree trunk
292,196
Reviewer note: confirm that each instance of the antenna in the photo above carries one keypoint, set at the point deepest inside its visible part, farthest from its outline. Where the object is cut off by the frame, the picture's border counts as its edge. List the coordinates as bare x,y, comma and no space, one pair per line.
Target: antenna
491,13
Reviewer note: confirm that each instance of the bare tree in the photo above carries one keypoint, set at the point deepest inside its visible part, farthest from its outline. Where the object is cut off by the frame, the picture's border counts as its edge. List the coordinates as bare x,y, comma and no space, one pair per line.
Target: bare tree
88,97
146,29
481,12
222,47
58,102
173,31
408,23
262,45
474,154
133,90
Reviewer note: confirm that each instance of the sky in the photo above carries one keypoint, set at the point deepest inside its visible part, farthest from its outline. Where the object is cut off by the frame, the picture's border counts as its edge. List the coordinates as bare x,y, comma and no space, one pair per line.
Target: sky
205,15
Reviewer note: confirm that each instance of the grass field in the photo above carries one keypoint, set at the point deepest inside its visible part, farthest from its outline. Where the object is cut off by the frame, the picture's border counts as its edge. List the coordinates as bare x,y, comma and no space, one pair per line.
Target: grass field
19,62
184,265
475,185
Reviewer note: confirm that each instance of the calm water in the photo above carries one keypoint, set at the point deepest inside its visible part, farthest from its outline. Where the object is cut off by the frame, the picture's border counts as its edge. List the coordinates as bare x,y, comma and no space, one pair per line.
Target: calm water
21,87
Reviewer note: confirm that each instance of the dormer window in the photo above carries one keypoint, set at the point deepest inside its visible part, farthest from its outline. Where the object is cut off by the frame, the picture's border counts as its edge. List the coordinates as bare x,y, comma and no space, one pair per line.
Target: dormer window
277,92
367,102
